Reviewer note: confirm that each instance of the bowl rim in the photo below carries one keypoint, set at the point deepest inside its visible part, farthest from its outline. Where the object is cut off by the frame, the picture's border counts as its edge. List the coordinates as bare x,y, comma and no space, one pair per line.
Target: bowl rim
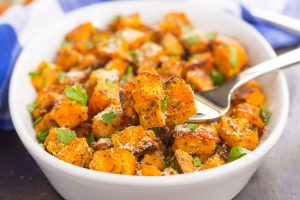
50,161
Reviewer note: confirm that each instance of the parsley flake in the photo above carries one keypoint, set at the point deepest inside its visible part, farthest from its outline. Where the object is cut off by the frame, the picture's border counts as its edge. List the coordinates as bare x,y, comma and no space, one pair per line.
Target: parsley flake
211,35
30,107
232,56
90,139
129,74
37,121
192,126
197,162
192,40
109,117
65,135
76,93
164,104
41,136
236,152
265,114
217,77
60,75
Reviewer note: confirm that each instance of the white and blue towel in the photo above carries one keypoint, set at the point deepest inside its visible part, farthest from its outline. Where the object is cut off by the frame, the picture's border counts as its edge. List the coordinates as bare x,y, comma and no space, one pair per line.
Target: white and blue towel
20,24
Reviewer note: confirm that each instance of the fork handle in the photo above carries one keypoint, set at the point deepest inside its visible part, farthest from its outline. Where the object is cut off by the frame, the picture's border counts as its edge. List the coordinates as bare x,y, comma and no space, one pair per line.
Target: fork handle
282,61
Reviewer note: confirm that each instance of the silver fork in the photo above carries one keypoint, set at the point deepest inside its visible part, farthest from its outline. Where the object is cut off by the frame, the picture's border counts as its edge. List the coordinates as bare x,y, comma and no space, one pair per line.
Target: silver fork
216,102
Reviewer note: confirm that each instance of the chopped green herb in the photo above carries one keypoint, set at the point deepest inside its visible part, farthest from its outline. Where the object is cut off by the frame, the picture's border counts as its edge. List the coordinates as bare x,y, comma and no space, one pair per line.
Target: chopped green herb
110,83
65,135
185,28
217,77
109,117
64,44
192,86
216,148
76,93
41,136
174,165
32,74
236,152
116,18
98,40
157,131
196,56
129,74
197,162
43,83
167,160
30,107
60,75
164,104
192,40
265,114
192,126
135,54
232,56
90,139
37,121
211,35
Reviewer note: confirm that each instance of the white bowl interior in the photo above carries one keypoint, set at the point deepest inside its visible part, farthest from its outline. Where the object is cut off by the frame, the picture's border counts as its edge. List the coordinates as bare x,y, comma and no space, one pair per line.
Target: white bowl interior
45,46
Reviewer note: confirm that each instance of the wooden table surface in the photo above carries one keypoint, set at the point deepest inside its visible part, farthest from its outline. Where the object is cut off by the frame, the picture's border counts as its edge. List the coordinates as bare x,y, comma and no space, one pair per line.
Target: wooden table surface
278,178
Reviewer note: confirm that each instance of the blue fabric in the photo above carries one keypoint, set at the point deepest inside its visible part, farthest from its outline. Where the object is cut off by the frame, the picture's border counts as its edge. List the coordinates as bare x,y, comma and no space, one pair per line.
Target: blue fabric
69,5
9,51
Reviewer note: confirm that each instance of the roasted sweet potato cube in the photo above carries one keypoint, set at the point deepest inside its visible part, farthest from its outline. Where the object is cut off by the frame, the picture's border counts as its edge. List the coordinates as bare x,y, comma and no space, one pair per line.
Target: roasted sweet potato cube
44,102
117,161
102,144
204,61
73,77
155,159
134,37
230,56
127,102
68,113
81,32
108,121
170,67
250,112
44,76
133,21
151,52
238,132
175,23
169,171
214,161
198,79
115,48
149,170
148,98
194,41
147,66
45,124
184,161
180,101
171,45
67,58
87,61
77,152
251,93
200,141
105,93
136,139
119,65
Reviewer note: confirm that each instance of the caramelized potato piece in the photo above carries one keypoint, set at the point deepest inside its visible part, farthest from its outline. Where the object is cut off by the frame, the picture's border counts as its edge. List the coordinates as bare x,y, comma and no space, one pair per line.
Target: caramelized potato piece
171,45
200,141
194,41
117,161
73,77
136,139
204,61
109,121
44,76
199,80
115,48
68,113
148,97
155,159
172,66
180,101
238,132
45,124
213,161
82,32
169,171
230,56
119,65
102,144
175,23
184,161
134,37
133,21
147,66
250,112
105,93
87,61
77,152
151,51
127,102
251,93
150,170
67,58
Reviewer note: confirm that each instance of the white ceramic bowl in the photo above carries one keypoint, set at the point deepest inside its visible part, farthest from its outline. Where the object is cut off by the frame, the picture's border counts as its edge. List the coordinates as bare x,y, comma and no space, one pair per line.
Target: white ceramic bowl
73,182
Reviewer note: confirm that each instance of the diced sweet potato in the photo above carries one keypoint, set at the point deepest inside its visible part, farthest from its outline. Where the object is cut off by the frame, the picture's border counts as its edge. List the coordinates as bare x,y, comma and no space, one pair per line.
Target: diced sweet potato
238,132
250,112
251,93
44,76
171,45
115,48
175,22
204,61
81,32
44,102
199,80
119,65
148,97
155,159
83,130
134,37
200,141
77,152
151,52
133,21
108,121
73,77
117,161
150,170
102,144
136,139
45,124
67,58
180,103
213,161
230,56
169,171
184,161
127,102
68,113
194,41
146,66
105,93
87,61
170,67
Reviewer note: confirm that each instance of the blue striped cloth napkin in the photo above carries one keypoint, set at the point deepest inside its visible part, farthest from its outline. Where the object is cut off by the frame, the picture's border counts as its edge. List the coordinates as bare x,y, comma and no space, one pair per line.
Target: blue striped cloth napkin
20,24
